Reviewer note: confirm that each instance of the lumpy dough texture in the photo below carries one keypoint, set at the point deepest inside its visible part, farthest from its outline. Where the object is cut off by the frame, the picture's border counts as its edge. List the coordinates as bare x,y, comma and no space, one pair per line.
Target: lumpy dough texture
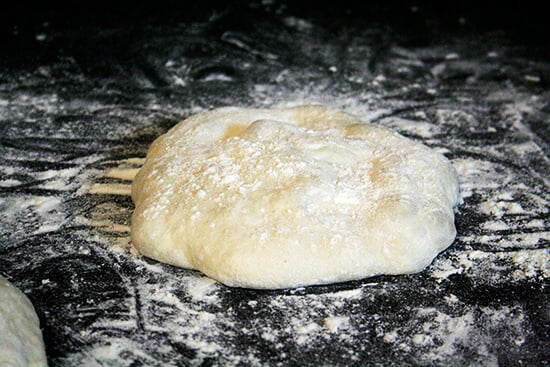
21,343
277,198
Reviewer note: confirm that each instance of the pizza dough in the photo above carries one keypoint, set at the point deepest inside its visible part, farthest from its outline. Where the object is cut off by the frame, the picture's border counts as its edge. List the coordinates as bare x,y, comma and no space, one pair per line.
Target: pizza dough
282,198
21,343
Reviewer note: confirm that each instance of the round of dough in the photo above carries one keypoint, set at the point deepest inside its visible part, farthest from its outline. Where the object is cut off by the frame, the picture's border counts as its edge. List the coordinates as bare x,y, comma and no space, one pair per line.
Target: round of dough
277,198
21,343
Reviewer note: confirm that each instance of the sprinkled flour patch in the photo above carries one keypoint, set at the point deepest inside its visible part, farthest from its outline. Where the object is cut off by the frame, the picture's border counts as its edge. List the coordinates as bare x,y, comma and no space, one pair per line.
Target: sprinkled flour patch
336,323
495,266
436,336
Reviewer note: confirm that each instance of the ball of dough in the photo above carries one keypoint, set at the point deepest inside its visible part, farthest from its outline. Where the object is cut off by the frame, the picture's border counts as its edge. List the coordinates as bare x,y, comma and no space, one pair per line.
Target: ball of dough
21,343
277,198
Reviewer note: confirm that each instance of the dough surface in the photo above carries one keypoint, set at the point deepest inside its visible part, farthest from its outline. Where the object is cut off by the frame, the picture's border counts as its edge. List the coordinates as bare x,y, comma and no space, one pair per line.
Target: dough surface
21,343
282,198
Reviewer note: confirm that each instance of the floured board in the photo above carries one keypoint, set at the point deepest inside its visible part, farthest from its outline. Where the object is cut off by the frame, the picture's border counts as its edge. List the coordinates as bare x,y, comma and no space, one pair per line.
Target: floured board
76,122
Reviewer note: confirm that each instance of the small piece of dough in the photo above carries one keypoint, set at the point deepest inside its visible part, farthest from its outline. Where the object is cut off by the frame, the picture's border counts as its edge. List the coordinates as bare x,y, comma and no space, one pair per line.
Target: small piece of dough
282,198
21,343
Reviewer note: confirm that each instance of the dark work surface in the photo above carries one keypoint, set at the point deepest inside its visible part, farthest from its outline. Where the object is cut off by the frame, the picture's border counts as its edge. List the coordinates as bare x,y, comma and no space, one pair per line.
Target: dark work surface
84,90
